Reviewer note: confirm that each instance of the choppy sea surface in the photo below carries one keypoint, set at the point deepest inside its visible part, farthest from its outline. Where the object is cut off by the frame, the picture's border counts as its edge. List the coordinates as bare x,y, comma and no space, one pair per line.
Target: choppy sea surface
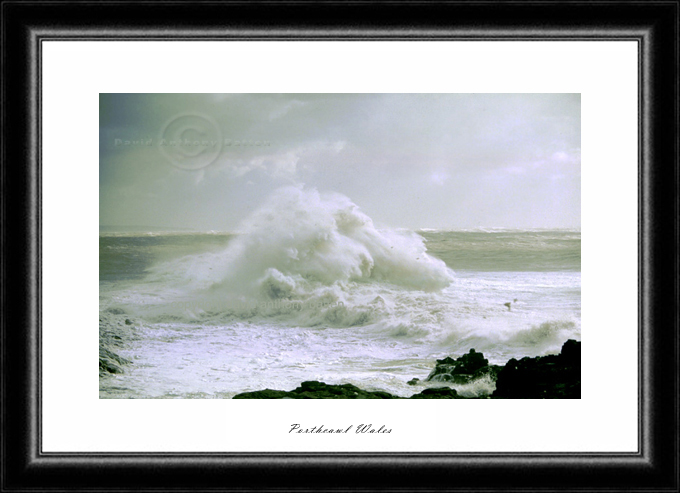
309,288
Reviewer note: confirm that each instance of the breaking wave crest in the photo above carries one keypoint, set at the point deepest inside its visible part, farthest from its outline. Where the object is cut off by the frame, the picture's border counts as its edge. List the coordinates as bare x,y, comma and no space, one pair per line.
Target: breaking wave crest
308,255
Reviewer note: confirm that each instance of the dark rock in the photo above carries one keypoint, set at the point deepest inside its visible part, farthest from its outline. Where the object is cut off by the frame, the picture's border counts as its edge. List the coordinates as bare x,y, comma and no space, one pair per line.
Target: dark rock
460,370
312,385
459,378
113,336
266,394
491,370
379,394
320,390
571,352
437,393
128,321
546,377
317,390
110,362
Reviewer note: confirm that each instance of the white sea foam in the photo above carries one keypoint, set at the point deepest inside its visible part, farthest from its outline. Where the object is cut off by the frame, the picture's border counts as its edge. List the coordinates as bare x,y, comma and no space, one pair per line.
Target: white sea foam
310,248
310,289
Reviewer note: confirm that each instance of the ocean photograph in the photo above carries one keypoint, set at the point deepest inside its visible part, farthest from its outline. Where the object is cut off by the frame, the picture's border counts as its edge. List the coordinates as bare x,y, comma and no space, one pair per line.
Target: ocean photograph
361,246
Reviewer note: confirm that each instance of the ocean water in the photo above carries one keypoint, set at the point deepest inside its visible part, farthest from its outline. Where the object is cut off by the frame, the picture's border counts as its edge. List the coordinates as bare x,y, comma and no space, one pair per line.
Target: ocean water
308,288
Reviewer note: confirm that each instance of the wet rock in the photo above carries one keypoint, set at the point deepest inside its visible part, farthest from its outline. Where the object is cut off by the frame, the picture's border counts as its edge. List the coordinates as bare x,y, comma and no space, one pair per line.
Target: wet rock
128,321
265,394
317,390
113,336
492,371
546,377
437,393
571,352
320,390
461,370
110,362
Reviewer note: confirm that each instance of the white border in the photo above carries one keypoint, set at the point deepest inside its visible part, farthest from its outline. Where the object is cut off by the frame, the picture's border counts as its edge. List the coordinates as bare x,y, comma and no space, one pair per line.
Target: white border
605,73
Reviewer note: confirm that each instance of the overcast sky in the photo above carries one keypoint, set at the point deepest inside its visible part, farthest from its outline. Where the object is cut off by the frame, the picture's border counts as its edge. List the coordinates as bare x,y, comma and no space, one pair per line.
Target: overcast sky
445,161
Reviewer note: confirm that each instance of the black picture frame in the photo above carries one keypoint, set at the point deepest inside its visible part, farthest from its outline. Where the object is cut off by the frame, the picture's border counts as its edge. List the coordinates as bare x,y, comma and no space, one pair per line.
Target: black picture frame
654,25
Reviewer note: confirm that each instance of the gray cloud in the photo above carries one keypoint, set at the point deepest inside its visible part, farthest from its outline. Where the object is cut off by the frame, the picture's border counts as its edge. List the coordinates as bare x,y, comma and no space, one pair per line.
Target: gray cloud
408,160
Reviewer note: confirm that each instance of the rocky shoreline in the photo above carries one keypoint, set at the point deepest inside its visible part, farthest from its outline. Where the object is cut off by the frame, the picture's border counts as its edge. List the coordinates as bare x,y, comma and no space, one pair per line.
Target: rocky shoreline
113,334
542,377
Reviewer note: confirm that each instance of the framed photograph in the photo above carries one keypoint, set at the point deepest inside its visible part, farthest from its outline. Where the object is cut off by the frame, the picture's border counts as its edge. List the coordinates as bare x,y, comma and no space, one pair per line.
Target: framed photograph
233,265
356,247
